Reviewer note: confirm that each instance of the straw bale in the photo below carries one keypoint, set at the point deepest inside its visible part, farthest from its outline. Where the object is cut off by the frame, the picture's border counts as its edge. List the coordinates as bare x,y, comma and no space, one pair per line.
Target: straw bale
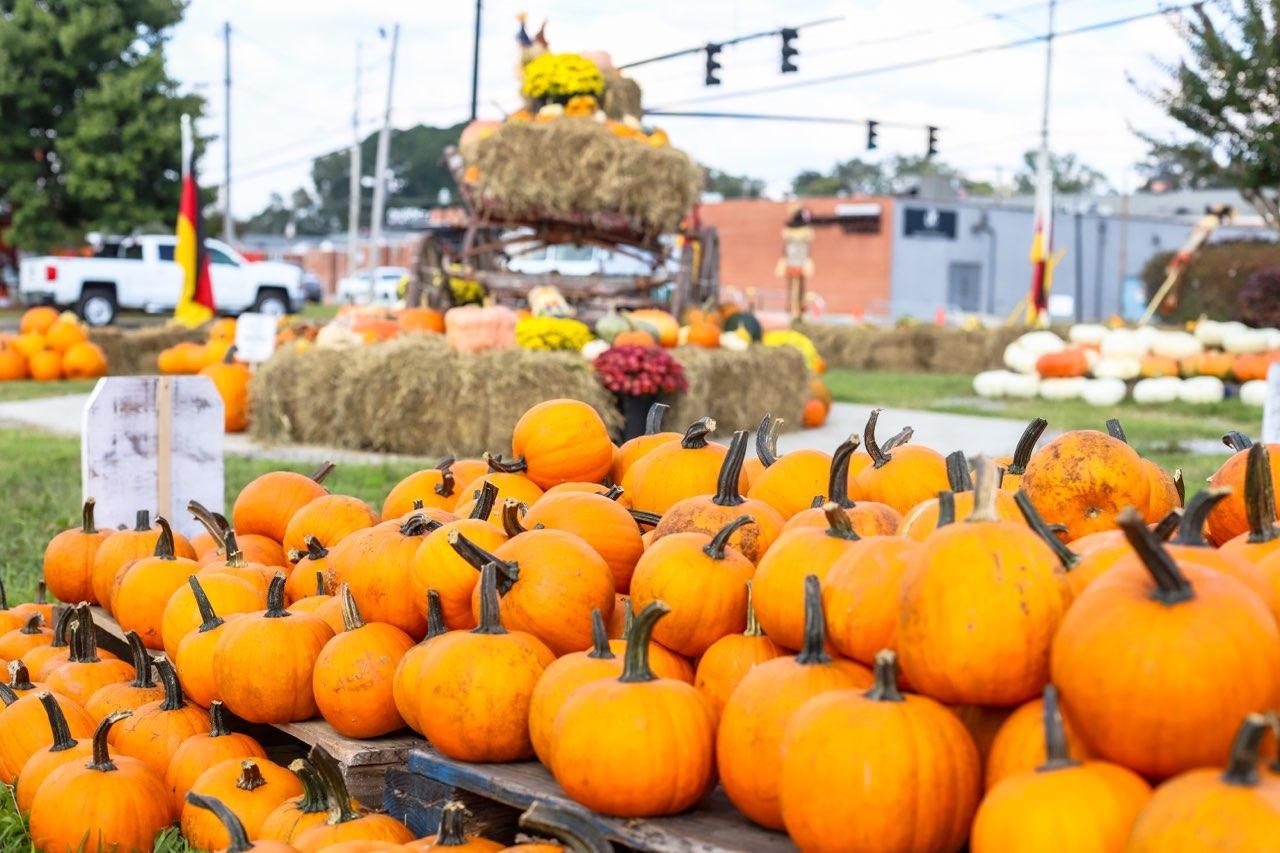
923,348
736,388
132,352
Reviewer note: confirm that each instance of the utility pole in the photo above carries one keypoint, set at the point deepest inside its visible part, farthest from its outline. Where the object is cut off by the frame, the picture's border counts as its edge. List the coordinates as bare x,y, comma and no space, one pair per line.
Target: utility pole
1042,239
475,65
228,224
380,165
354,191
1048,71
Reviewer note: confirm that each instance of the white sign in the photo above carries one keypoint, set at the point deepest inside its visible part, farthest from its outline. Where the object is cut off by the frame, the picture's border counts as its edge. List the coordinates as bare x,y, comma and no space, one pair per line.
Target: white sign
1271,409
255,337
153,443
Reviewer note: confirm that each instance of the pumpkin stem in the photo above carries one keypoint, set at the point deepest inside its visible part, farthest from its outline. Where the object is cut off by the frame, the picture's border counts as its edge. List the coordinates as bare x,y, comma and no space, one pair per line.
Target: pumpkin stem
1055,735
899,438
321,588
984,492
1172,586
447,484
351,619
325,469
435,615
84,642
479,558
313,799
766,450
1237,441
207,520
1026,446
653,419
209,619
879,455
173,698
599,638
33,623
237,838
1036,522
86,517
613,493
62,739
645,519
1242,766
339,798
234,556
946,509
1167,526
1115,430
19,676
142,521
275,598
485,500
7,696
1180,486
813,650
418,525
838,473
42,592
753,624
497,466
250,776
101,760
628,616
838,524
453,821
958,472
1260,496
315,551
512,509
62,627
142,659
1191,531
695,437
164,544
490,611
4,596
635,661
727,492
885,688
715,548
577,833
217,719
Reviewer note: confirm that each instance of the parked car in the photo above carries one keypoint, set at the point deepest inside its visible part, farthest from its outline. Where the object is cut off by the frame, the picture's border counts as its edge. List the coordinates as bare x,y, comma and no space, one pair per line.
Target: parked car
568,259
139,273
380,285
312,288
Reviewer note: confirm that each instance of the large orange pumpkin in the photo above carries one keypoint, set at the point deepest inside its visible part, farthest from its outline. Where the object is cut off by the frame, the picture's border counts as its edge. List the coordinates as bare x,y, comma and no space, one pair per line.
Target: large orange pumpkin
203,750
267,503
237,836
84,360
347,824
902,477
635,448
377,566
68,559
84,673
37,320
562,441
1083,478
155,730
788,483
63,749
600,521
1069,362
860,595
328,518
434,487
251,788
131,694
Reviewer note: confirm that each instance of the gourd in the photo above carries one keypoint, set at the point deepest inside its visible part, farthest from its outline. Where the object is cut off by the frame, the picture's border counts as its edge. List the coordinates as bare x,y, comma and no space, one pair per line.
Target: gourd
471,328
1104,391
1200,390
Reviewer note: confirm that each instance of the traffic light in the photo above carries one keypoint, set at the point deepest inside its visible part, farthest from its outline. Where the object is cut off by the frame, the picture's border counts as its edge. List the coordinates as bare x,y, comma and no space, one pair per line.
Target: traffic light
933,141
713,64
872,128
788,52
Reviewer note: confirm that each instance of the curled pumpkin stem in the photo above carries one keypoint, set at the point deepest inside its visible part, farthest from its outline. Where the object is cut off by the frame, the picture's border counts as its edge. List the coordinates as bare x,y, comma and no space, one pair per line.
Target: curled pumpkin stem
715,548
486,499
635,661
1237,441
1026,446
695,437
498,466
653,419
766,440
1196,515
727,493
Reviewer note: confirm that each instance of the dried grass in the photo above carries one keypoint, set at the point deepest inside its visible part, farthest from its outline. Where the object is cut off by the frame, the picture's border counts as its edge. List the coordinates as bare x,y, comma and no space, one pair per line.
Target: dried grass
925,349
132,352
736,388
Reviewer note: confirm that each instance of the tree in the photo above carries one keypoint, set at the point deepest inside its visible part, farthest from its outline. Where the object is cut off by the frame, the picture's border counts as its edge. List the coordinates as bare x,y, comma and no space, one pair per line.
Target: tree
1070,176
733,186
1224,94
852,177
1171,165
89,117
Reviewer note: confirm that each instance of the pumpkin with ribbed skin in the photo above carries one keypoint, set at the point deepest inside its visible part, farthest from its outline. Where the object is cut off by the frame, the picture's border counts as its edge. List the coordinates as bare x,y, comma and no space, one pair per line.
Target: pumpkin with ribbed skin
598,519
156,730
64,749
436,565
1139,613
562,440
635,448
376,565
453,834
352,676
143,588
727,661
275,641
268,502
310,808
203,750
132,694
703,580
111,803
561,678
122,547
226,593
860,596
1231,517
749,749
329,519
435,487
1209,809
900,478
676,470
68,559
237,836
710,513
788,482
1083,478
867,518
84,673
1263,537
251,788
835,764
665,763
1019,743
404,680
24,728
194,658
980,605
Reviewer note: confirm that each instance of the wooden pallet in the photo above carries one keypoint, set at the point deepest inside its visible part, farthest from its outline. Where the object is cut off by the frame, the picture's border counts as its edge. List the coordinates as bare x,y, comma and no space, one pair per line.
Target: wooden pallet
495,794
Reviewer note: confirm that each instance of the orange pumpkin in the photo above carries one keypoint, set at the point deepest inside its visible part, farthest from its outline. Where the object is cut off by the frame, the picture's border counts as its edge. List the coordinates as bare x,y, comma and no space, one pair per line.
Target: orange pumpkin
203,750
404,679
900,478
1082,478
1159,365
1020,745
1069,362
84,673
436,565
703,335
600,521
310,808
127,695
68,559
63,749
664,324
230,379
226,593
565,675
561,441
435,487
328,518
45,365
635,338
13,364
635,448
237,836
268,502
38,320
24,728
676,470
84,360
788,483
861,593
155,730
727,661
420,320
251,788
143,588
122,547
376,564
1231,517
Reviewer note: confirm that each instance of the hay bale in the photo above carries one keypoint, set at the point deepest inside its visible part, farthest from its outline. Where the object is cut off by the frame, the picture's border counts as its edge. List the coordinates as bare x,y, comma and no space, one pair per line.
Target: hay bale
736,388
622,96
569,166
132,352
923,348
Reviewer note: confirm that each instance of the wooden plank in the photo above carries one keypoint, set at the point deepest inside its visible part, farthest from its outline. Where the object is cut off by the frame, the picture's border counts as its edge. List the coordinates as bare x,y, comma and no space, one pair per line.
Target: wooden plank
417,801
393,749
715,826
109,634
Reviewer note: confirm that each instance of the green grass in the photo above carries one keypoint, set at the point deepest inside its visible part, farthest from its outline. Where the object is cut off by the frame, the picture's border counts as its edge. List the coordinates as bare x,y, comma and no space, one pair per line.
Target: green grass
40,479
312,311
29,389
1163,433
14,837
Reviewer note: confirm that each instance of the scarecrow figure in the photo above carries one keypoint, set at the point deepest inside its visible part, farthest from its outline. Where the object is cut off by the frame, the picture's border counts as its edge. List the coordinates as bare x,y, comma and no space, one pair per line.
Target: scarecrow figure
795,265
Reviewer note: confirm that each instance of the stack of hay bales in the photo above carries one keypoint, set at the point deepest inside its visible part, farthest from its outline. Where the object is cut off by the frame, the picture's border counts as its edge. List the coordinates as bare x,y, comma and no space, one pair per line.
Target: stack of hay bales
736,388
924,348
132,352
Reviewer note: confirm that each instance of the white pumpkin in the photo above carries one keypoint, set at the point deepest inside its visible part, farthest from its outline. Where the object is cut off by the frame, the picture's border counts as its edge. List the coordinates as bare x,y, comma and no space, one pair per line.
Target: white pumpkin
1254,393
1088,334
1042,343
1209,332
1242,340
1117,367
1068,388
1202,389
1177,345
989,384
733,342
1160,390
593,348
1273,338
1103,392
337,336
1124,343
1019,359
1024,386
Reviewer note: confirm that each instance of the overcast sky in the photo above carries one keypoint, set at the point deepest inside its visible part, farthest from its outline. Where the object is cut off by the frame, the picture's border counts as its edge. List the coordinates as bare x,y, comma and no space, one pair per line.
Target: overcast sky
293,70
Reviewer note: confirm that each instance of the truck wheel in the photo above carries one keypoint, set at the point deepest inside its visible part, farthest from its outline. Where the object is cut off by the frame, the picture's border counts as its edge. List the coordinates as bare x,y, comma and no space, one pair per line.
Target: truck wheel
97,306
272,302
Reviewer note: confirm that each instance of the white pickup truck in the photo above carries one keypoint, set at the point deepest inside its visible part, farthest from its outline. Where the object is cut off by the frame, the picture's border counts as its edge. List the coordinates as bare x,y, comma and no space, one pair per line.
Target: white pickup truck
139,273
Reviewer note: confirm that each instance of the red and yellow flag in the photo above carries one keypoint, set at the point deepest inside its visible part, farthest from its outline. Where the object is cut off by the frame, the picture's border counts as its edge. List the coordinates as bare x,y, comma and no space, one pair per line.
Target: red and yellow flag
1042,259
195,303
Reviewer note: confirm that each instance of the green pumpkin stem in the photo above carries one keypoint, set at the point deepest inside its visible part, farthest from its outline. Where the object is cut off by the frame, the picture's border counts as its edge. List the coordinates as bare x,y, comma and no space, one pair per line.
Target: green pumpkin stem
339,798
453,822
173,698
250,778
275,598
753,624
33,623
1237,441
838,524
164,543
613,493
1260,496
599,638
86,517
635,661
946,509
813,650
512,509
838,473
1196,514
314,800
1040,527
880,456
645,519
715,548
958,472
315,551
695,437
62,739
498,466
575,831
84,643
486,499
984,492
237,838
1167,526
62,627
767,440
209,619
727,491
508,573
20,676
1242,765
141,659
325,469
435,615
1116,431
351,619
101,758
490,621
885,688
1172,586
1026,446
321,588
653,418
1055,734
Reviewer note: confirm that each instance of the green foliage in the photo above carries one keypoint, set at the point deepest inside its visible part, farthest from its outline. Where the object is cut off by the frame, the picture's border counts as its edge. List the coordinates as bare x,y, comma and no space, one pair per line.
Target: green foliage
89,117
860,177
1070,176
1212,282
733,186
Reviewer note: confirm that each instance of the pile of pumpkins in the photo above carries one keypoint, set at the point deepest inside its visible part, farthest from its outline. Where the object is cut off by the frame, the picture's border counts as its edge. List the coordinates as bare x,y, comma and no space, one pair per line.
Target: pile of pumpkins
1102,365
216,359
1048,650
50,346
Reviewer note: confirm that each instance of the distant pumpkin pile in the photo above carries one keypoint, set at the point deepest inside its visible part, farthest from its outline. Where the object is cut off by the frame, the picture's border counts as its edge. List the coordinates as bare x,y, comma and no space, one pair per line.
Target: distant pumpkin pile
881,648
50,346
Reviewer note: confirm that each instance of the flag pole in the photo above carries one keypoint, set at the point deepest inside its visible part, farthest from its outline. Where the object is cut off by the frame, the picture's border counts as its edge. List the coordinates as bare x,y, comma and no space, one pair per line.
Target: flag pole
1042,241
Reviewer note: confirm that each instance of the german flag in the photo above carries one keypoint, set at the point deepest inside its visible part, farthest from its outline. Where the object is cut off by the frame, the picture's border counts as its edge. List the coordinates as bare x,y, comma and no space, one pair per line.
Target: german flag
195,304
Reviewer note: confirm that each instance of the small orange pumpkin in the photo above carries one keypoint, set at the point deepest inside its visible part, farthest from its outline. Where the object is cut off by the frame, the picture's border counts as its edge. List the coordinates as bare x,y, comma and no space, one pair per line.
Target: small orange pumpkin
68,559
203,750
727,661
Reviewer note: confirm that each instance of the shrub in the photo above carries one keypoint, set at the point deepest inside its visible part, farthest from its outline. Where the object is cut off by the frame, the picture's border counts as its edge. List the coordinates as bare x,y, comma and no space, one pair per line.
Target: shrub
1258,303
1212,283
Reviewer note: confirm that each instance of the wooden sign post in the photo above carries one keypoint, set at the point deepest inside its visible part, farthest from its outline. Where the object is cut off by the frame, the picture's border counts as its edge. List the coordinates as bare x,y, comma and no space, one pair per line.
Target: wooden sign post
153,443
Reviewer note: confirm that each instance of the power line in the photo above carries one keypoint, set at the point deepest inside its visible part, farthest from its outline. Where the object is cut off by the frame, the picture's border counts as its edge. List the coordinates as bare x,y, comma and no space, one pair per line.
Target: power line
690,51
787,118
933,60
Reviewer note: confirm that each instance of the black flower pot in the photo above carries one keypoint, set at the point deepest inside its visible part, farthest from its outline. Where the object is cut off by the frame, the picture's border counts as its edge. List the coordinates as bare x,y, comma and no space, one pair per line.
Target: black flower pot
635,408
